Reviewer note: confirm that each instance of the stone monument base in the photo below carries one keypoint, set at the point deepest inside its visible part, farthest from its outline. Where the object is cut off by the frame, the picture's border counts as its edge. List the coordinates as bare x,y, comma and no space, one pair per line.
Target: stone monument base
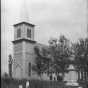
72,83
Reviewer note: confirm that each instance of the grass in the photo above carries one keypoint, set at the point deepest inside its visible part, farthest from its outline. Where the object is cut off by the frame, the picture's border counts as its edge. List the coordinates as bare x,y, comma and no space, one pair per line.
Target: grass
14,83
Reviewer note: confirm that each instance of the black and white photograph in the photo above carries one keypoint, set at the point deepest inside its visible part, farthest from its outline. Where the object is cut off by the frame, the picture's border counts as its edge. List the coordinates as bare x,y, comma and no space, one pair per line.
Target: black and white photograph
44,43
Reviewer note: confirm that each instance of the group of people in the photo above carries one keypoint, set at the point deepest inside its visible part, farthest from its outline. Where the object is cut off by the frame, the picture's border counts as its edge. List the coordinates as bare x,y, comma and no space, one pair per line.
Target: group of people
27,85
55,76
52,76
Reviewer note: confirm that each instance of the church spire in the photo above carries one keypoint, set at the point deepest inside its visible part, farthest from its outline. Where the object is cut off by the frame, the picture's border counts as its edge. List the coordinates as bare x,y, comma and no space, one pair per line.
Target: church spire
24,15
24,29
87,16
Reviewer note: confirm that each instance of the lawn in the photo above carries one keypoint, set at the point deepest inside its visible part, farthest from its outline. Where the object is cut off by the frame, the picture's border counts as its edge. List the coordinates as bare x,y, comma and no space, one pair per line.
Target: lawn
14,83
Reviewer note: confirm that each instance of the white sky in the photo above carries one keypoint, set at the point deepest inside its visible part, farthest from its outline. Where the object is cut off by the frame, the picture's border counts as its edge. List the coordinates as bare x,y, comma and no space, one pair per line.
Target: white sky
51,17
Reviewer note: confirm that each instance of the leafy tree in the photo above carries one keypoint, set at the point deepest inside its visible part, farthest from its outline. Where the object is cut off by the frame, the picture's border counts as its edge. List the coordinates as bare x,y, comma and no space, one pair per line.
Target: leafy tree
60,51
81,54
81,51
54,57
41,61
57,55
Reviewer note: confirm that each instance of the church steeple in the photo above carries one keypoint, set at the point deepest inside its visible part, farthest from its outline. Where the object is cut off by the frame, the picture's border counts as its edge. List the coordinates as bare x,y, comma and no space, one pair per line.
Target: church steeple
24,29
87,15
24,14
23,45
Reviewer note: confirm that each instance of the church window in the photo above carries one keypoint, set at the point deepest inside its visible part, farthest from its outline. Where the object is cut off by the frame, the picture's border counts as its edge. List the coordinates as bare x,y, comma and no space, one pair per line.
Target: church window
29,33
29,69
18,33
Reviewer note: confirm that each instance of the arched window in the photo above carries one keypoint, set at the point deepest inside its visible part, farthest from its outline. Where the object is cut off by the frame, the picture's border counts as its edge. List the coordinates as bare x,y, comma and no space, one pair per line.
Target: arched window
18,33
29,33
29,69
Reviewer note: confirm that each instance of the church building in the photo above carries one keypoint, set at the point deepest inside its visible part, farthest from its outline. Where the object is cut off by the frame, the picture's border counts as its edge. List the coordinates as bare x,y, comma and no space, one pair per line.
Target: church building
23,50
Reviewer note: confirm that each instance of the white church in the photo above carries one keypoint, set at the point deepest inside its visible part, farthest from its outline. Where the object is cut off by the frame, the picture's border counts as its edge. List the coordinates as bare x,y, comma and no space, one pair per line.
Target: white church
23,48
24,55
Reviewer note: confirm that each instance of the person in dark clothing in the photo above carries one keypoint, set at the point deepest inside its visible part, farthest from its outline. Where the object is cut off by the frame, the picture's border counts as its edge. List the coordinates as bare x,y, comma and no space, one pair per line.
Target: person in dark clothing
50,76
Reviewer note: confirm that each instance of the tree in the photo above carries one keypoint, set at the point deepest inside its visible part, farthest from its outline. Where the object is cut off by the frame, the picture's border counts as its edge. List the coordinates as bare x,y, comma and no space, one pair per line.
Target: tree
81,55
41,61
81,51
60,51
54,57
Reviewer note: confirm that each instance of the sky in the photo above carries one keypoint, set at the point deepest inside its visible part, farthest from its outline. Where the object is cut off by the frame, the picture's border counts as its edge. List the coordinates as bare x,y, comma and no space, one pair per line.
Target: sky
51,17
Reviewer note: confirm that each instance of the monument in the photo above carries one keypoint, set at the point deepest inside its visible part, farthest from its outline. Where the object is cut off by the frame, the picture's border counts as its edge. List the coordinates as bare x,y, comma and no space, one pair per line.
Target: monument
72,76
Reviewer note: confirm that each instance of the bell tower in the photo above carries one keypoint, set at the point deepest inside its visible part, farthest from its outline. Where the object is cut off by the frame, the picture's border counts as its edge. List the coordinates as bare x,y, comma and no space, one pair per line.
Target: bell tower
23,45
24,30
